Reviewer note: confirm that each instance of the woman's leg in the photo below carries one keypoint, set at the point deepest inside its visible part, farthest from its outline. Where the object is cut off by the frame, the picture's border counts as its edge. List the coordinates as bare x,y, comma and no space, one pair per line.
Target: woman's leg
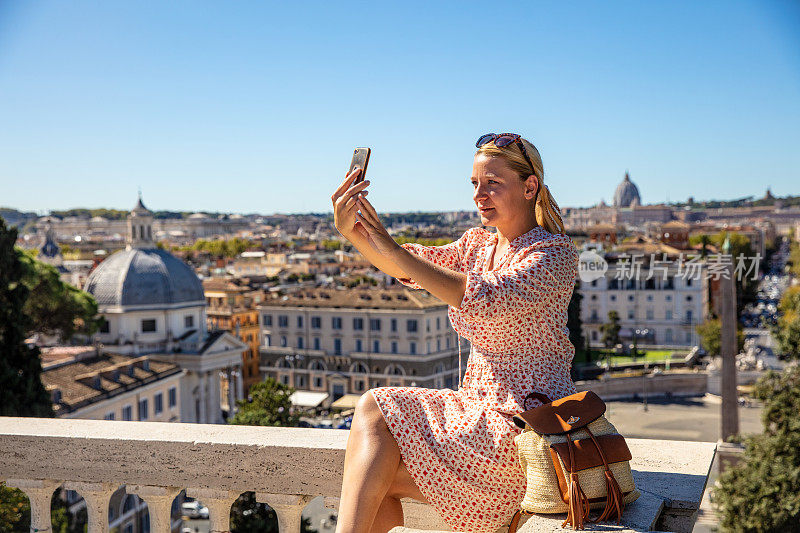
373,480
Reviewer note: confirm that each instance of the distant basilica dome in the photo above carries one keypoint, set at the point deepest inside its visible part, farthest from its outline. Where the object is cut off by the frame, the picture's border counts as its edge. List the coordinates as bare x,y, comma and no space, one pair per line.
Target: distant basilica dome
627,194
143,274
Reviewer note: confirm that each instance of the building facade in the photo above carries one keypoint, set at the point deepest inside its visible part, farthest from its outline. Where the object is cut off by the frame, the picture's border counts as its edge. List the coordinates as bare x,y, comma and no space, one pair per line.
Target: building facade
347,341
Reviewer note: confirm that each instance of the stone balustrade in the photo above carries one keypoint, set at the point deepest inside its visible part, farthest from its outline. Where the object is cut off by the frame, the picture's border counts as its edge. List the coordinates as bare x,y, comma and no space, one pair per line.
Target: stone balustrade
285,467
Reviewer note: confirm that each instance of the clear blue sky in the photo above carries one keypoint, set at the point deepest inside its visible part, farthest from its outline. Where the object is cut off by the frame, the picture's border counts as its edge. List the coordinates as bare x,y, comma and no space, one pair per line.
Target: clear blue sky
255,107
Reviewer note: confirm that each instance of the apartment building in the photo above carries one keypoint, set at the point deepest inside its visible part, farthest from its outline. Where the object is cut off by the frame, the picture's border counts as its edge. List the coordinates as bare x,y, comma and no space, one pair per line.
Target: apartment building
345,341
659,309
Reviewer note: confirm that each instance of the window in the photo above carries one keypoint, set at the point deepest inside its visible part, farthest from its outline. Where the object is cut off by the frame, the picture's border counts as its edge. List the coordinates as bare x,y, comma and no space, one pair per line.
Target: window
376,346
300,380
594,335
359,384
668,315
594,297
613,297
358,345
284,341
393,324
267,320
649,297
613,284
594,283
316,343
374,324
109,416
300,321
300,343
127,412
148,325
688,298
688,282
394,347
438,345
337,346
172,396
438,323
630,314
188,321
285,380
688,315
158,403
336,322
669,335
649,314
412,347
630,297
358,324
316,322
143,409
411,326
318,382
104,327
428,325
267,340
283,321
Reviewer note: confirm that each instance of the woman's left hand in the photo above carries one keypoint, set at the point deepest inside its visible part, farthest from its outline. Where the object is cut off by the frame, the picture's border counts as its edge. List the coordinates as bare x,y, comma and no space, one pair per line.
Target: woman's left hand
373,229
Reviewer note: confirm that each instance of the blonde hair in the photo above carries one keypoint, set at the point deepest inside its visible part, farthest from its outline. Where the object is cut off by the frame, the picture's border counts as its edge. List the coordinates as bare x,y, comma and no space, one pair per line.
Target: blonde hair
548,214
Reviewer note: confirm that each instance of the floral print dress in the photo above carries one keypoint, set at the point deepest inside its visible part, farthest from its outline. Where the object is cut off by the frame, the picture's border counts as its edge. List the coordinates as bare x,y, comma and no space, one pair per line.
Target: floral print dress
458,445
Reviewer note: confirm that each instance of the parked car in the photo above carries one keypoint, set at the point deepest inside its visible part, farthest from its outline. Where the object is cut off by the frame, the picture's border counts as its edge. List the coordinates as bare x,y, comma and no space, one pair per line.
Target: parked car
194,509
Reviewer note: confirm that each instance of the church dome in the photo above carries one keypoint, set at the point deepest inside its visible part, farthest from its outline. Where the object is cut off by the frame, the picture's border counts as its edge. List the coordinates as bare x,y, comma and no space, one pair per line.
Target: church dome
148,276
627,194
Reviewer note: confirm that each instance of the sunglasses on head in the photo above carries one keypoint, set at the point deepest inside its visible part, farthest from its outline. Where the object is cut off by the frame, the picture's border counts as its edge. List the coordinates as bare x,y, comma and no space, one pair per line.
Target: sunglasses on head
503,140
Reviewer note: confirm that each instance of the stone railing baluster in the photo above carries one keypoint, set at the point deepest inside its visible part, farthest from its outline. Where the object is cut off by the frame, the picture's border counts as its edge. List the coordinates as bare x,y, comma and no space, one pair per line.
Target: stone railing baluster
96,496
159,504
40,494
288,508
219,504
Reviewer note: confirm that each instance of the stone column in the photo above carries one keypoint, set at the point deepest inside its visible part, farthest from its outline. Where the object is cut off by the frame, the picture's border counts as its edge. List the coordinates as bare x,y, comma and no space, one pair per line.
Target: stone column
231,398
239,384
288,507
728,349
97,496
212,402
219,504
159,504
202,389
40,494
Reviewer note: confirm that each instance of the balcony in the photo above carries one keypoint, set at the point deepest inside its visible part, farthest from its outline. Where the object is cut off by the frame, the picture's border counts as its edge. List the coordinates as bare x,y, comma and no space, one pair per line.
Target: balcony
285,467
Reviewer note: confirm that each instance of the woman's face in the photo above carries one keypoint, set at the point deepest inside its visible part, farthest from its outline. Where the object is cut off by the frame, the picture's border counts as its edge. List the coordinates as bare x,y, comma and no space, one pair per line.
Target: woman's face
499,193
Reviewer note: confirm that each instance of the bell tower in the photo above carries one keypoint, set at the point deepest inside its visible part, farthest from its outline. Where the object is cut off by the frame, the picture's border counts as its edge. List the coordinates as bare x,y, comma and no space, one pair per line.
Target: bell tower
140,227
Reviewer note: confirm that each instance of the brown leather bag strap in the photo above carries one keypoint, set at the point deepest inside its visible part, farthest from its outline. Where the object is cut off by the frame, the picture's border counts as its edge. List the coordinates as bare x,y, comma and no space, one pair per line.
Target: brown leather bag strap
543,398
512,527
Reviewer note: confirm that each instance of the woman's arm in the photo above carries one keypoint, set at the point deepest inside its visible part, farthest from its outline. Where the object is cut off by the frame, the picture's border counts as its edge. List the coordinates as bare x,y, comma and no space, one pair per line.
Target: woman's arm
444,283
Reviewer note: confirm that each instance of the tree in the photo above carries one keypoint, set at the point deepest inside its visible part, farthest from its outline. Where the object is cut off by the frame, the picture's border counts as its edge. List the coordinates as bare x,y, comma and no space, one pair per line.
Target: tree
710,333
248,516
787,330
268,404
55,307
21,389
575,325
762,493
610,330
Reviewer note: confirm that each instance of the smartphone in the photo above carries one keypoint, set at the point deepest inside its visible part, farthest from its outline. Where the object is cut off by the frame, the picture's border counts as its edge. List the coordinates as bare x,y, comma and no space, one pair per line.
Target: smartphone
360,160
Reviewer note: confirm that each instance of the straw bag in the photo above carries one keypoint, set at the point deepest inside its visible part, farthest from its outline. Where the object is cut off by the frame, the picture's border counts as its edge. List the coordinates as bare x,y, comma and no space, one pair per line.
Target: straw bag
574,460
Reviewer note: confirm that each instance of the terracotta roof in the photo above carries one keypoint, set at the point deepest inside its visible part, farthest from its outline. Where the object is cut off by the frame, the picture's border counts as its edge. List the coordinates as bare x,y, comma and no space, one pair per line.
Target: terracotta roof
86,381
358,298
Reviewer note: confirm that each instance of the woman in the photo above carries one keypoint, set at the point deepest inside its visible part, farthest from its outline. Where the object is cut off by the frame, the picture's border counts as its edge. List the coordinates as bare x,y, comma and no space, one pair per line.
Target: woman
508,293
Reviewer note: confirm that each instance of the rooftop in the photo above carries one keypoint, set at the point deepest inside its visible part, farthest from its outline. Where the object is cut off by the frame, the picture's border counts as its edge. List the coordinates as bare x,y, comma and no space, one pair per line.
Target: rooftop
357,298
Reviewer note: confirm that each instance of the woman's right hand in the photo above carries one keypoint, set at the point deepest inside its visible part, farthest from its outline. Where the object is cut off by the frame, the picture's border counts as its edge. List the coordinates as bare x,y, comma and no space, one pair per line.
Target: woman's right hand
344,204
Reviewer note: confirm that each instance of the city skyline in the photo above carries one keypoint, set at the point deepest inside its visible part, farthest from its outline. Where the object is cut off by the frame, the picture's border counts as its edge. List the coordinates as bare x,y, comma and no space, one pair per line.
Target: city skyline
211,109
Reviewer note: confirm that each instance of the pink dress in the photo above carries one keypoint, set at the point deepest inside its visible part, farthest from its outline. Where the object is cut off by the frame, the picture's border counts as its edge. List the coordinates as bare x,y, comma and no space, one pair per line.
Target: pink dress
459,445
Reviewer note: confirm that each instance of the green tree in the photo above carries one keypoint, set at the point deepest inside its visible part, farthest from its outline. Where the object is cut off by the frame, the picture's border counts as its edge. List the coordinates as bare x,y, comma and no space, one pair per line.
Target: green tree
787,329
55,307
710,333
575,326
15,510
610,330
268,404
762,493
21,389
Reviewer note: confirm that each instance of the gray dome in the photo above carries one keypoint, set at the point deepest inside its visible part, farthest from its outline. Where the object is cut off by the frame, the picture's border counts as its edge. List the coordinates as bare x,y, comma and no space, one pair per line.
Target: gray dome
627,193
144,277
